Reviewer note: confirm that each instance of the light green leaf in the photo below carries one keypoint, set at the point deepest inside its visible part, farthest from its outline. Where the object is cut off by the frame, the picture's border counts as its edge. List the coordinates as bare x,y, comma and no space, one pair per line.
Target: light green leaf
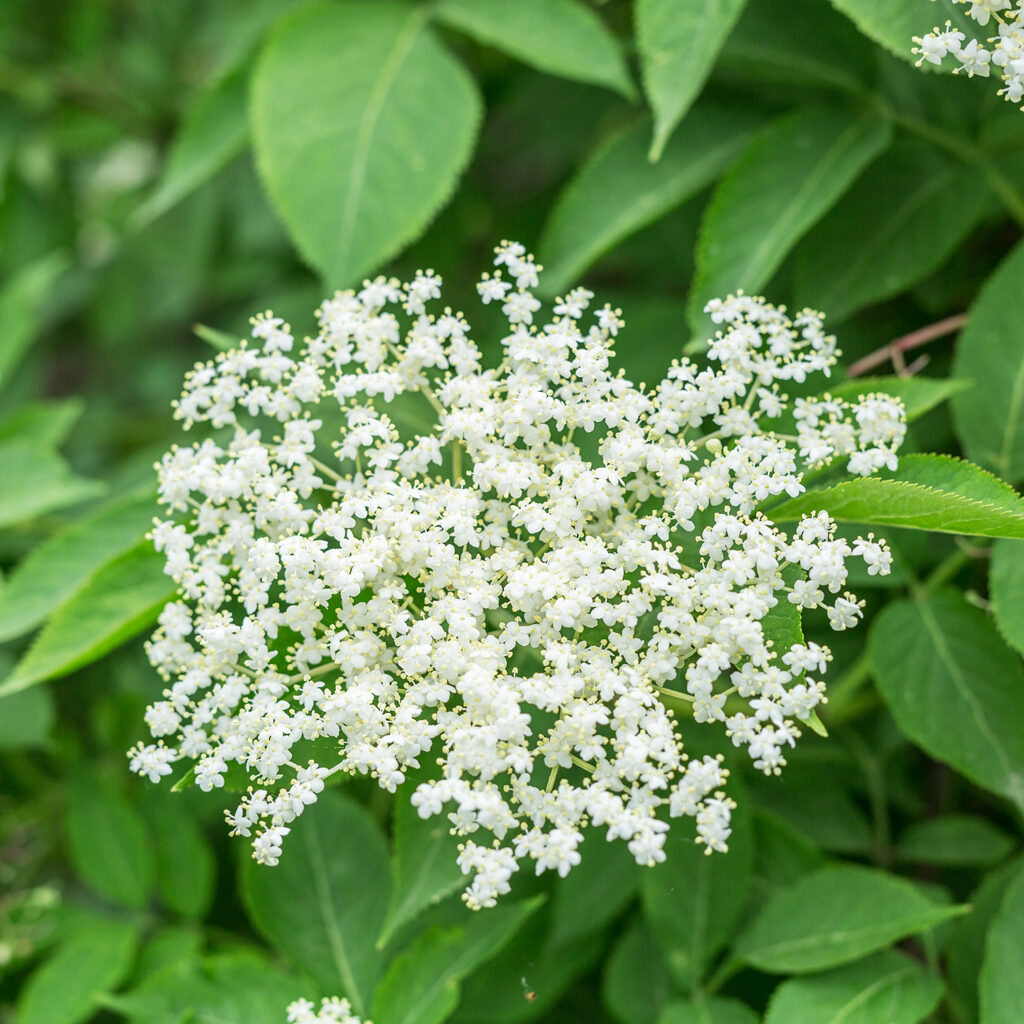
617,190
954,840
220,340
889,987
953,687
899,222
834,916
636,982
21,300
893,23
1006,590
918,394
108,843
325,902
94,960
26,718
424,866
707,1010
421,985
47,423
213,131
990,417
119,601
59,566
926,492
1002,982
357,163
693,900
561,37
678,41
37,480
785,182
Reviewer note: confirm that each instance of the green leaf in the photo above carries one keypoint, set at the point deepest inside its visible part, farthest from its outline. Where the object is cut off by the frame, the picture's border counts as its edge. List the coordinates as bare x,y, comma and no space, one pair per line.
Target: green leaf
120,600
59,566
953,687
918,394
220,340
707,1010
108,844
214,130
561,37
37,480
954,840
1001,988
617,190
693,900
421,985
990,417
26,719
834,916
893,23
783,184
889,987
678,41
926,492
186,868
898,223
358,163
94,960
636,982
325,902
424,866
47,423
1006,590
21,300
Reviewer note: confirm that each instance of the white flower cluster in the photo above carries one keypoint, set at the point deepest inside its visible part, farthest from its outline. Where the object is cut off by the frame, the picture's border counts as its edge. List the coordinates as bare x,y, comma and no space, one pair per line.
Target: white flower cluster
524,591
330,1011
1007,53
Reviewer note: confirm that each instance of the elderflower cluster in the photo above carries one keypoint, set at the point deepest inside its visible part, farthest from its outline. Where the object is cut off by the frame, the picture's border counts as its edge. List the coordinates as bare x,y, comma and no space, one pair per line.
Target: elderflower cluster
330,1011
390,554
1007,53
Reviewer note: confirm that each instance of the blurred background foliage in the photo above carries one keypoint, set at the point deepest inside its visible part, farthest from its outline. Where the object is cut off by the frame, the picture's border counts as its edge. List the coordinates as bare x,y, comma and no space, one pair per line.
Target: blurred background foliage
167,170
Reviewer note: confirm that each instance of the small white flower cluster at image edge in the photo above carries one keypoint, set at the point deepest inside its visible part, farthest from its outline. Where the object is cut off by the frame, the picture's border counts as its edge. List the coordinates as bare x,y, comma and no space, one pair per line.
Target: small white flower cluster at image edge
521,594
1006,54
330,1011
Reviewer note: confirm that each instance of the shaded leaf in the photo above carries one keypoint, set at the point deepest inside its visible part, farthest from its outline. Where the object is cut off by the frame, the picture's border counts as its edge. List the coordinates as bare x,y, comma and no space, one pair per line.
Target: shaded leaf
954,840
1001,987
21,300
636,981
953,687
48,423
707,1010
358,163
893,23
37,480
1006,590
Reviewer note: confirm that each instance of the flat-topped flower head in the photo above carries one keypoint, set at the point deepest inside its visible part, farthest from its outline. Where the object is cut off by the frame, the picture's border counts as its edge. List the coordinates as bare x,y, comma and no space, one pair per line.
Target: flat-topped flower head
391,555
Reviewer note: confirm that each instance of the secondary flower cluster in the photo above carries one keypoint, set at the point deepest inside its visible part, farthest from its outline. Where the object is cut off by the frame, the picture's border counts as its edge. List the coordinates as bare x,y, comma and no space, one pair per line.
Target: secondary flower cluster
389,553
1007,53
330,1011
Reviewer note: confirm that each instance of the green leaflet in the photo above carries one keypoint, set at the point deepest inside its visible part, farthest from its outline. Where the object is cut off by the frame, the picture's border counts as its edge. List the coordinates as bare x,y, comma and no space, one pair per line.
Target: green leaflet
21,300
918,394
617,190
927,492
678,42
1001,988
636,983
990,417
562,37
213,132
117,602
899,222
953,687
836,915
358,164
47,422
1006,590
63,563
954,840
37,480
789,177
324,904
707,1010
890,987
893,23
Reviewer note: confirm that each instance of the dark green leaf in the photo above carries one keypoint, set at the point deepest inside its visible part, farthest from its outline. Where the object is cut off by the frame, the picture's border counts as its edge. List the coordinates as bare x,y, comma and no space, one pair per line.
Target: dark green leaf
784,183
707,1010
1006,590
562,37
834,916
893,23
26,718
678,41
953,687
358,163
954,840
636,979
325,902
185,863
617,190
1002,982
888,987
117,602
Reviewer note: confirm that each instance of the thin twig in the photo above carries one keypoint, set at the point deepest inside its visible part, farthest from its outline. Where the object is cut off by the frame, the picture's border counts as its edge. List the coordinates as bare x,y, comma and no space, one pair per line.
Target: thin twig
893,352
